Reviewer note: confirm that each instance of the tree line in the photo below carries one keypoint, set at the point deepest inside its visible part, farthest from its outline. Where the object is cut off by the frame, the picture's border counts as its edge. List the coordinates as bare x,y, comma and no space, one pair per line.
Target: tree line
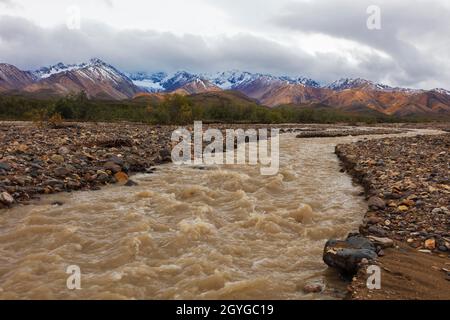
175,109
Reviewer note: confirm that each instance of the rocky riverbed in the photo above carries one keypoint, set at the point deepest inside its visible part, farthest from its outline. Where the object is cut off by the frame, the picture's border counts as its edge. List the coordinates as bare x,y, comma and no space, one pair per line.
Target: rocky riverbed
407,183
44,160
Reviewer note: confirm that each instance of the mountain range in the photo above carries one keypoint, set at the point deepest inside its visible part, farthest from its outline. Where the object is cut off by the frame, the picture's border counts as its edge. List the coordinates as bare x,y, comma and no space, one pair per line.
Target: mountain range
101,80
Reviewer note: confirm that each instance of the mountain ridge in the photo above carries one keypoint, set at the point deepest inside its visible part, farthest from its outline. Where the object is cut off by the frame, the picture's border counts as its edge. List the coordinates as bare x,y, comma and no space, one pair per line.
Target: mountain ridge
101,80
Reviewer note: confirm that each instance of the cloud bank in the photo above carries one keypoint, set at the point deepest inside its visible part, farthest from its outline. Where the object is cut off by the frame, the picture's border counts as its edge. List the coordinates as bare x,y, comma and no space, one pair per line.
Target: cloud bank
322,39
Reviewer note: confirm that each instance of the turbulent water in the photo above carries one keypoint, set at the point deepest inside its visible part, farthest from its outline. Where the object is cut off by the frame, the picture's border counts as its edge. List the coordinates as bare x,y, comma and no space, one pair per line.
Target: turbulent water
220,232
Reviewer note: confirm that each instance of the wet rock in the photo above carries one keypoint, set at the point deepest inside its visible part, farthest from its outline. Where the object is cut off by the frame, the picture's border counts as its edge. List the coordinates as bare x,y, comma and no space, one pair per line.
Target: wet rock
131,183
346,255
6,198
121,177
376,203
314,287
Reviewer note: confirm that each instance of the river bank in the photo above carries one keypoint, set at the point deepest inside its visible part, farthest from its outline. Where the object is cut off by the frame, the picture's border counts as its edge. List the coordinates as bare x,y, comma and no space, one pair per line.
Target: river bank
407,184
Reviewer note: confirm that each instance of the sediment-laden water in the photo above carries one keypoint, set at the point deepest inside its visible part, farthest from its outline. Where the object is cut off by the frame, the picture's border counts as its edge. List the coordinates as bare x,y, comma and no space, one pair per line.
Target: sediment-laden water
220,232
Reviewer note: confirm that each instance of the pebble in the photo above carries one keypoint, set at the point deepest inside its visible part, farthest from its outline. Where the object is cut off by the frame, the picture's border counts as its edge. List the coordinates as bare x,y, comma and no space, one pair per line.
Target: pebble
430,244
6,198
63,151
314,287
382,242
57,158
376,203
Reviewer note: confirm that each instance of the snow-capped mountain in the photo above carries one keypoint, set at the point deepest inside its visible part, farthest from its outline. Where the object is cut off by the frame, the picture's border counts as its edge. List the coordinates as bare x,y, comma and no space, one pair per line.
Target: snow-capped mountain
181,80
101,80
95,65
150,82
97,78
228,80
441,91
358,83
46,72
234,79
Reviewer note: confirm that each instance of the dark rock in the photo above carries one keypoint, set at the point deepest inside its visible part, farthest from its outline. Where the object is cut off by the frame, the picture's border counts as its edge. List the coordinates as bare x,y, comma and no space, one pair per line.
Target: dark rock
62,172
111,166
5,166
53,183
165,155
377,231
346,255
131,183
116,160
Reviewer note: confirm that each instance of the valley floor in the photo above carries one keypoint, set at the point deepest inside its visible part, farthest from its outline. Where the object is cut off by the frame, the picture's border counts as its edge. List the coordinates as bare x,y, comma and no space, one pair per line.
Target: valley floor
407,182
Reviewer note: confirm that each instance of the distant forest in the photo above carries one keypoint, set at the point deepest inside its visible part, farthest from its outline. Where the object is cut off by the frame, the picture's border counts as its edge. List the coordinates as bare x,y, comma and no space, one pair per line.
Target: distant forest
224,107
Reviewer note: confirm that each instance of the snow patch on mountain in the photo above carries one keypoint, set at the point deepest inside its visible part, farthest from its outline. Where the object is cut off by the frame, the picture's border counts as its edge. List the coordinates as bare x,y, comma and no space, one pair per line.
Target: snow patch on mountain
95,69
441,91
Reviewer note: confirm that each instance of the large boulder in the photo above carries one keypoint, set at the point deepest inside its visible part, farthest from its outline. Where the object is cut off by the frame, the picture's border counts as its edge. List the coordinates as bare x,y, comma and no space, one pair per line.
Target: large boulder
345,255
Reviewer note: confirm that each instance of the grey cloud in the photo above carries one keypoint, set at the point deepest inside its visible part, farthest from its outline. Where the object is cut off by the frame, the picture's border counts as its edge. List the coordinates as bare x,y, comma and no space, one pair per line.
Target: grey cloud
8,3
28,46
412,32
109,3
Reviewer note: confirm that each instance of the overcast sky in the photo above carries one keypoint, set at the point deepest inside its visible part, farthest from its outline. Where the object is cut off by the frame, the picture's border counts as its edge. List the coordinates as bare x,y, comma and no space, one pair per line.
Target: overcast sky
321,39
